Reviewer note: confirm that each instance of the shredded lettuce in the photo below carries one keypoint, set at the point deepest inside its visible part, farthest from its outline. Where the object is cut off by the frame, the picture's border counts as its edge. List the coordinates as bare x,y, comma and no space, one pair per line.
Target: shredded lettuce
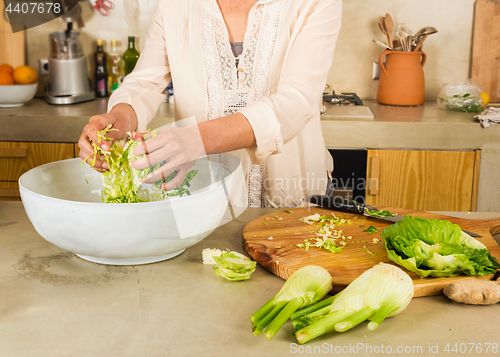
121,181
436,248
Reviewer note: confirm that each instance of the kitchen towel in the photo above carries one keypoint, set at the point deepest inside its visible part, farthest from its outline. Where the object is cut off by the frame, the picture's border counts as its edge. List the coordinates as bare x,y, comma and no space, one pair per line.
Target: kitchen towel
489,116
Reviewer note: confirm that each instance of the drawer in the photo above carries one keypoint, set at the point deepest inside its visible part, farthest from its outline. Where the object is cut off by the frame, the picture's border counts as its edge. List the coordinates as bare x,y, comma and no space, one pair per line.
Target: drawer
9,191
18,157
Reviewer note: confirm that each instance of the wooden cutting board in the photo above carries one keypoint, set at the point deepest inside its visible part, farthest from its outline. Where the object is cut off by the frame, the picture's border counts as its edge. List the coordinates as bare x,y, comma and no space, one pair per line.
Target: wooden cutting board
12,45
485,68
279,257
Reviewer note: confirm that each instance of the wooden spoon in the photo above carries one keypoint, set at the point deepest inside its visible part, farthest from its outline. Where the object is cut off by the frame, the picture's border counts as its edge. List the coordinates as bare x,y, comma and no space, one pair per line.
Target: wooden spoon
381,25
389,26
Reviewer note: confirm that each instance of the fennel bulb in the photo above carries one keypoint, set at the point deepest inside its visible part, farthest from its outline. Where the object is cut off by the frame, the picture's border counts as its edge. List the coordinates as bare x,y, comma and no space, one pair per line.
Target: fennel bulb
305,286
380,292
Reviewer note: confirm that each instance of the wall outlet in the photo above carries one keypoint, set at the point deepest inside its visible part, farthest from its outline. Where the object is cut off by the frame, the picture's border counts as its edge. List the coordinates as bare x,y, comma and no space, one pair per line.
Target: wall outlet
43,66
375,70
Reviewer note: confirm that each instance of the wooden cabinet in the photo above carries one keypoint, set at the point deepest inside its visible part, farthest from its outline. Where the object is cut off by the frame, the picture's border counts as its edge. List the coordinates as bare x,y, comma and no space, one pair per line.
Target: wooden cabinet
431,180
18,157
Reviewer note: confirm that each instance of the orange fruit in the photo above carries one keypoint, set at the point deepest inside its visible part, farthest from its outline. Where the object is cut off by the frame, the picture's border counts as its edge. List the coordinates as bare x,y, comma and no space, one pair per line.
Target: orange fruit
6,79
25,75
6,68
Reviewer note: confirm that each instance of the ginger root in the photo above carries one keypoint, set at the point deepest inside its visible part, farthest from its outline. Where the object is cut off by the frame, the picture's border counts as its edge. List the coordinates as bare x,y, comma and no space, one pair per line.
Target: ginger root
474,291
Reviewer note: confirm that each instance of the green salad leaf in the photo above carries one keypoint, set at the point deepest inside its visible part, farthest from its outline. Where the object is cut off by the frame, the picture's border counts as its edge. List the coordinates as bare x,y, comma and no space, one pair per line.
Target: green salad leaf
437,248
121,181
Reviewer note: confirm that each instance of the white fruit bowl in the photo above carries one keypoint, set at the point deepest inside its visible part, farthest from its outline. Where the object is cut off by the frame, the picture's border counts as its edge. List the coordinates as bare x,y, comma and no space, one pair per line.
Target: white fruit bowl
17,94
68,212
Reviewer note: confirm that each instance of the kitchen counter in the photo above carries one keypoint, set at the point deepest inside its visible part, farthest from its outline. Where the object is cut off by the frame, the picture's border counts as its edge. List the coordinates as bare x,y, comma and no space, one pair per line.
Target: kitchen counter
422,127
425,127
56,304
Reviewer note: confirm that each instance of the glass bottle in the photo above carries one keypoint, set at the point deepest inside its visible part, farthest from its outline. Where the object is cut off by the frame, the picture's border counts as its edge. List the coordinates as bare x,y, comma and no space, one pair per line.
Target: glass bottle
115,67
130,56
101,75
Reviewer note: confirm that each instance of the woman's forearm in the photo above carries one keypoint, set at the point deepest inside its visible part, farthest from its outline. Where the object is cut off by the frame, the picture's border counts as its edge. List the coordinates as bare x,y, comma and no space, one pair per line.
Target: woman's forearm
226,134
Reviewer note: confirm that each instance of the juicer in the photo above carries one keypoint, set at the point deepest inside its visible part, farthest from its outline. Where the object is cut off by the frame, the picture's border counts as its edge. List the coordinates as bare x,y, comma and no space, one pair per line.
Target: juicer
69,80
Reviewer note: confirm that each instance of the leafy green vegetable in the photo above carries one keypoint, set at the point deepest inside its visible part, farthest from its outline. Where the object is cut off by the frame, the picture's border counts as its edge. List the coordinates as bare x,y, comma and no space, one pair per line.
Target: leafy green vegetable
234,267
462,103
121,184
380,292
371,229
305,286
436,248
383,213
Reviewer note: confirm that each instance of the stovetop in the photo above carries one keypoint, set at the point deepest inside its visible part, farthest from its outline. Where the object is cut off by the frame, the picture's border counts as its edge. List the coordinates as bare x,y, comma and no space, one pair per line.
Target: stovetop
344,106
342,99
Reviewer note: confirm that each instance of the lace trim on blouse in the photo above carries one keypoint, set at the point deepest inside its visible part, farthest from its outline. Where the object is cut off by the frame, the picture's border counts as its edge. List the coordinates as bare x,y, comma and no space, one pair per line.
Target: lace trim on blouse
235,82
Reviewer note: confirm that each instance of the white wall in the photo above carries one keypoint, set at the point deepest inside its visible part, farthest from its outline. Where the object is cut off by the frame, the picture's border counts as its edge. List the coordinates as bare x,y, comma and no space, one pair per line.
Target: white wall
448,51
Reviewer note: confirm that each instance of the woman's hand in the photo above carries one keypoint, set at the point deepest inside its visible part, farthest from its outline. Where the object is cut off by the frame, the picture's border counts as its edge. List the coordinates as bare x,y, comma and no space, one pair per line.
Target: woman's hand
179,147
122,119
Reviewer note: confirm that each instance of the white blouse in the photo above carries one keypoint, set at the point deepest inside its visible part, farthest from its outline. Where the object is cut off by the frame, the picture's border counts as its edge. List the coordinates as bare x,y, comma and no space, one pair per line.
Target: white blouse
277,85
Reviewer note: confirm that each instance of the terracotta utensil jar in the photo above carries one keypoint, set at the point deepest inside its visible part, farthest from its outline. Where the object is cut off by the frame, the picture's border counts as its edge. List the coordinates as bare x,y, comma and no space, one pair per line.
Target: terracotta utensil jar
402,79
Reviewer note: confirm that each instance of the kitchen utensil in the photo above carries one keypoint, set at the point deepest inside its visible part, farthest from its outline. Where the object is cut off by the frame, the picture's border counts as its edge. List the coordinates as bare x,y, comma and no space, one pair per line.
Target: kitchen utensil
269,244
340,204
403,33
62,200
103,7
381,44
424,31
381,25
421,42
485,67
401,79
429,30
389,26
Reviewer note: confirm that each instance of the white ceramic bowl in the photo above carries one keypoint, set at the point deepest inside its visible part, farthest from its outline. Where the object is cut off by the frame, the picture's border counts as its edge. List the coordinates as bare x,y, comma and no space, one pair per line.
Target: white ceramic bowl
68,212
17,94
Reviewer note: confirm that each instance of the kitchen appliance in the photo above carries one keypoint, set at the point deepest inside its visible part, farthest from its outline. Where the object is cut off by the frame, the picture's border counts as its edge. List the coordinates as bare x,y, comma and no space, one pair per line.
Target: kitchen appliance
270,245
344,106
69,80
349,174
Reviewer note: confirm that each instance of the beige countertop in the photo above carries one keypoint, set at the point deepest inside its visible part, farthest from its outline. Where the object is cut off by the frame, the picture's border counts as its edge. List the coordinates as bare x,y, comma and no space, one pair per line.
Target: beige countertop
56,304
402,127
422,127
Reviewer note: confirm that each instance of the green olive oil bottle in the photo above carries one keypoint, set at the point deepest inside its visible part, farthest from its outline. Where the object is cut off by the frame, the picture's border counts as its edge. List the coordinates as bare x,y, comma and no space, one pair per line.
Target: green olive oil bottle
130,56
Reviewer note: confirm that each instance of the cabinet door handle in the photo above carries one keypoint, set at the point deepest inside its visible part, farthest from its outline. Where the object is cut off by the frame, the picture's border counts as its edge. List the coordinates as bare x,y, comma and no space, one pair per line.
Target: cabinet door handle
9,192
13,152
374,175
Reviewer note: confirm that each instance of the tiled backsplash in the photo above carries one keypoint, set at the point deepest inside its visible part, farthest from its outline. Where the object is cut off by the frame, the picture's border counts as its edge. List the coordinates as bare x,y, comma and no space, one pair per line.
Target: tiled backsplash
448,51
